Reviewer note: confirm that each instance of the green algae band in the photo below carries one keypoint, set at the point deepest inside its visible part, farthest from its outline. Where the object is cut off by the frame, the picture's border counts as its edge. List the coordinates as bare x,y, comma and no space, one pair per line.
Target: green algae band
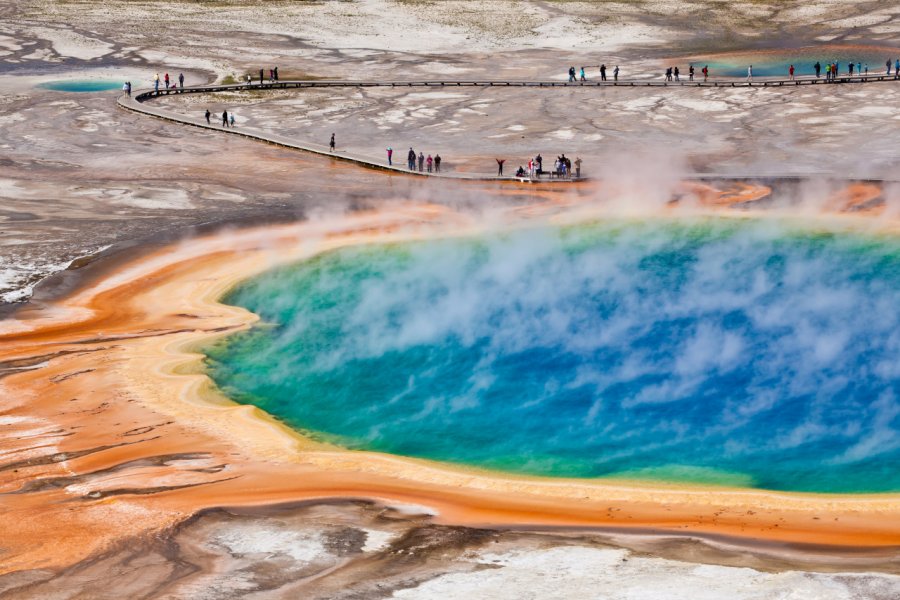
719,352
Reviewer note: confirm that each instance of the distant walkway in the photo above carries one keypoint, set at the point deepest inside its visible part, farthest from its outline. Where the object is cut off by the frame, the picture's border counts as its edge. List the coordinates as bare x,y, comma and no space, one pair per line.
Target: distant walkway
139,103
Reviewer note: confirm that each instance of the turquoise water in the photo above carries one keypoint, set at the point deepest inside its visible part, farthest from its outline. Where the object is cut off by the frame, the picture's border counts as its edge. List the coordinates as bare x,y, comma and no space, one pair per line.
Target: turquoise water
738,353
776,63
83,85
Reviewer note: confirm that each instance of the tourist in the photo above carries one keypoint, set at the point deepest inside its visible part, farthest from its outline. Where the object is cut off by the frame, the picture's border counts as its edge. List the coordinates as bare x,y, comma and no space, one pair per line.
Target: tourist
571,73
557,166
429,163
705,73
616,73
181,80
818,68
888,65
411,159
603,72
897,69
520,172
750,73
421,161
851,70
156,82
260,77
859,68
675,72
867,69
167,81
578,167
791,73
691,73
531,167
224,118
669,74
249,79
275,73
583,78
539,166
390,153
231,119
500,162
125,88
208,115
437,163
271,76
331,143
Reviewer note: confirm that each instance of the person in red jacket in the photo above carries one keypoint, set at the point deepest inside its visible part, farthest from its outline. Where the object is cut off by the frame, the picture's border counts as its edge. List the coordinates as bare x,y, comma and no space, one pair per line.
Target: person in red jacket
791,72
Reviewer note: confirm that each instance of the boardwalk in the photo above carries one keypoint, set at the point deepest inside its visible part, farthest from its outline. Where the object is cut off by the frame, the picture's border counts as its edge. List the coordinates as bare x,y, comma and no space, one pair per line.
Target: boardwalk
139,102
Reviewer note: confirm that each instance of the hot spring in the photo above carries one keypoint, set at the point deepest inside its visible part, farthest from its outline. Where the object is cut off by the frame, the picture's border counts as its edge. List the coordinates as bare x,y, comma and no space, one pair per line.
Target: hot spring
717,351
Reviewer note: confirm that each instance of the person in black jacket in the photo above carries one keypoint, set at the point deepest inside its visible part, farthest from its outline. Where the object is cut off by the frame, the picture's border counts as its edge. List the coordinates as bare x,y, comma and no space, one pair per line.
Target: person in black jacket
411,159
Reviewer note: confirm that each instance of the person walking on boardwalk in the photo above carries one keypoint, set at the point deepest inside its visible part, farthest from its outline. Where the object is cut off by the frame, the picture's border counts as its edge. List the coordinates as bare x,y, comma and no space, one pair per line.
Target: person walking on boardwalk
208,115
156,82
888,65
500,162
750,73
818,68
421,162
691,73
676,72
539,164
411,159
125,88
390,153
669,74
616,73
275,73
583,78
603,72
331,143
897,69
578,167
181,80
437,163
791,73
429,163
231,119
167,81
705,73
224,118
571,73
851,69
260,77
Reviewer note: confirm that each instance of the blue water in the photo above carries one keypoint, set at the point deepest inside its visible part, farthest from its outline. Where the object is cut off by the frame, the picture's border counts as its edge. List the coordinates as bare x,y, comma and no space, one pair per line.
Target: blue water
736,353
83,85
775,63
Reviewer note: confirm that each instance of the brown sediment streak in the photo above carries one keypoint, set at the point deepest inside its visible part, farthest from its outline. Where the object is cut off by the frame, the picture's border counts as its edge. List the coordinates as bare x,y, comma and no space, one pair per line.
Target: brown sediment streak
113,430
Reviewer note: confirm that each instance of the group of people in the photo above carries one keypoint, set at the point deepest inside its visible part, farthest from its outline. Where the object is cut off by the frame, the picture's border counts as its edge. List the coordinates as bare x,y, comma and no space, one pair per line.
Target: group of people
674,74
562,167
583,76
273,76
168,82
227,119
425,164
